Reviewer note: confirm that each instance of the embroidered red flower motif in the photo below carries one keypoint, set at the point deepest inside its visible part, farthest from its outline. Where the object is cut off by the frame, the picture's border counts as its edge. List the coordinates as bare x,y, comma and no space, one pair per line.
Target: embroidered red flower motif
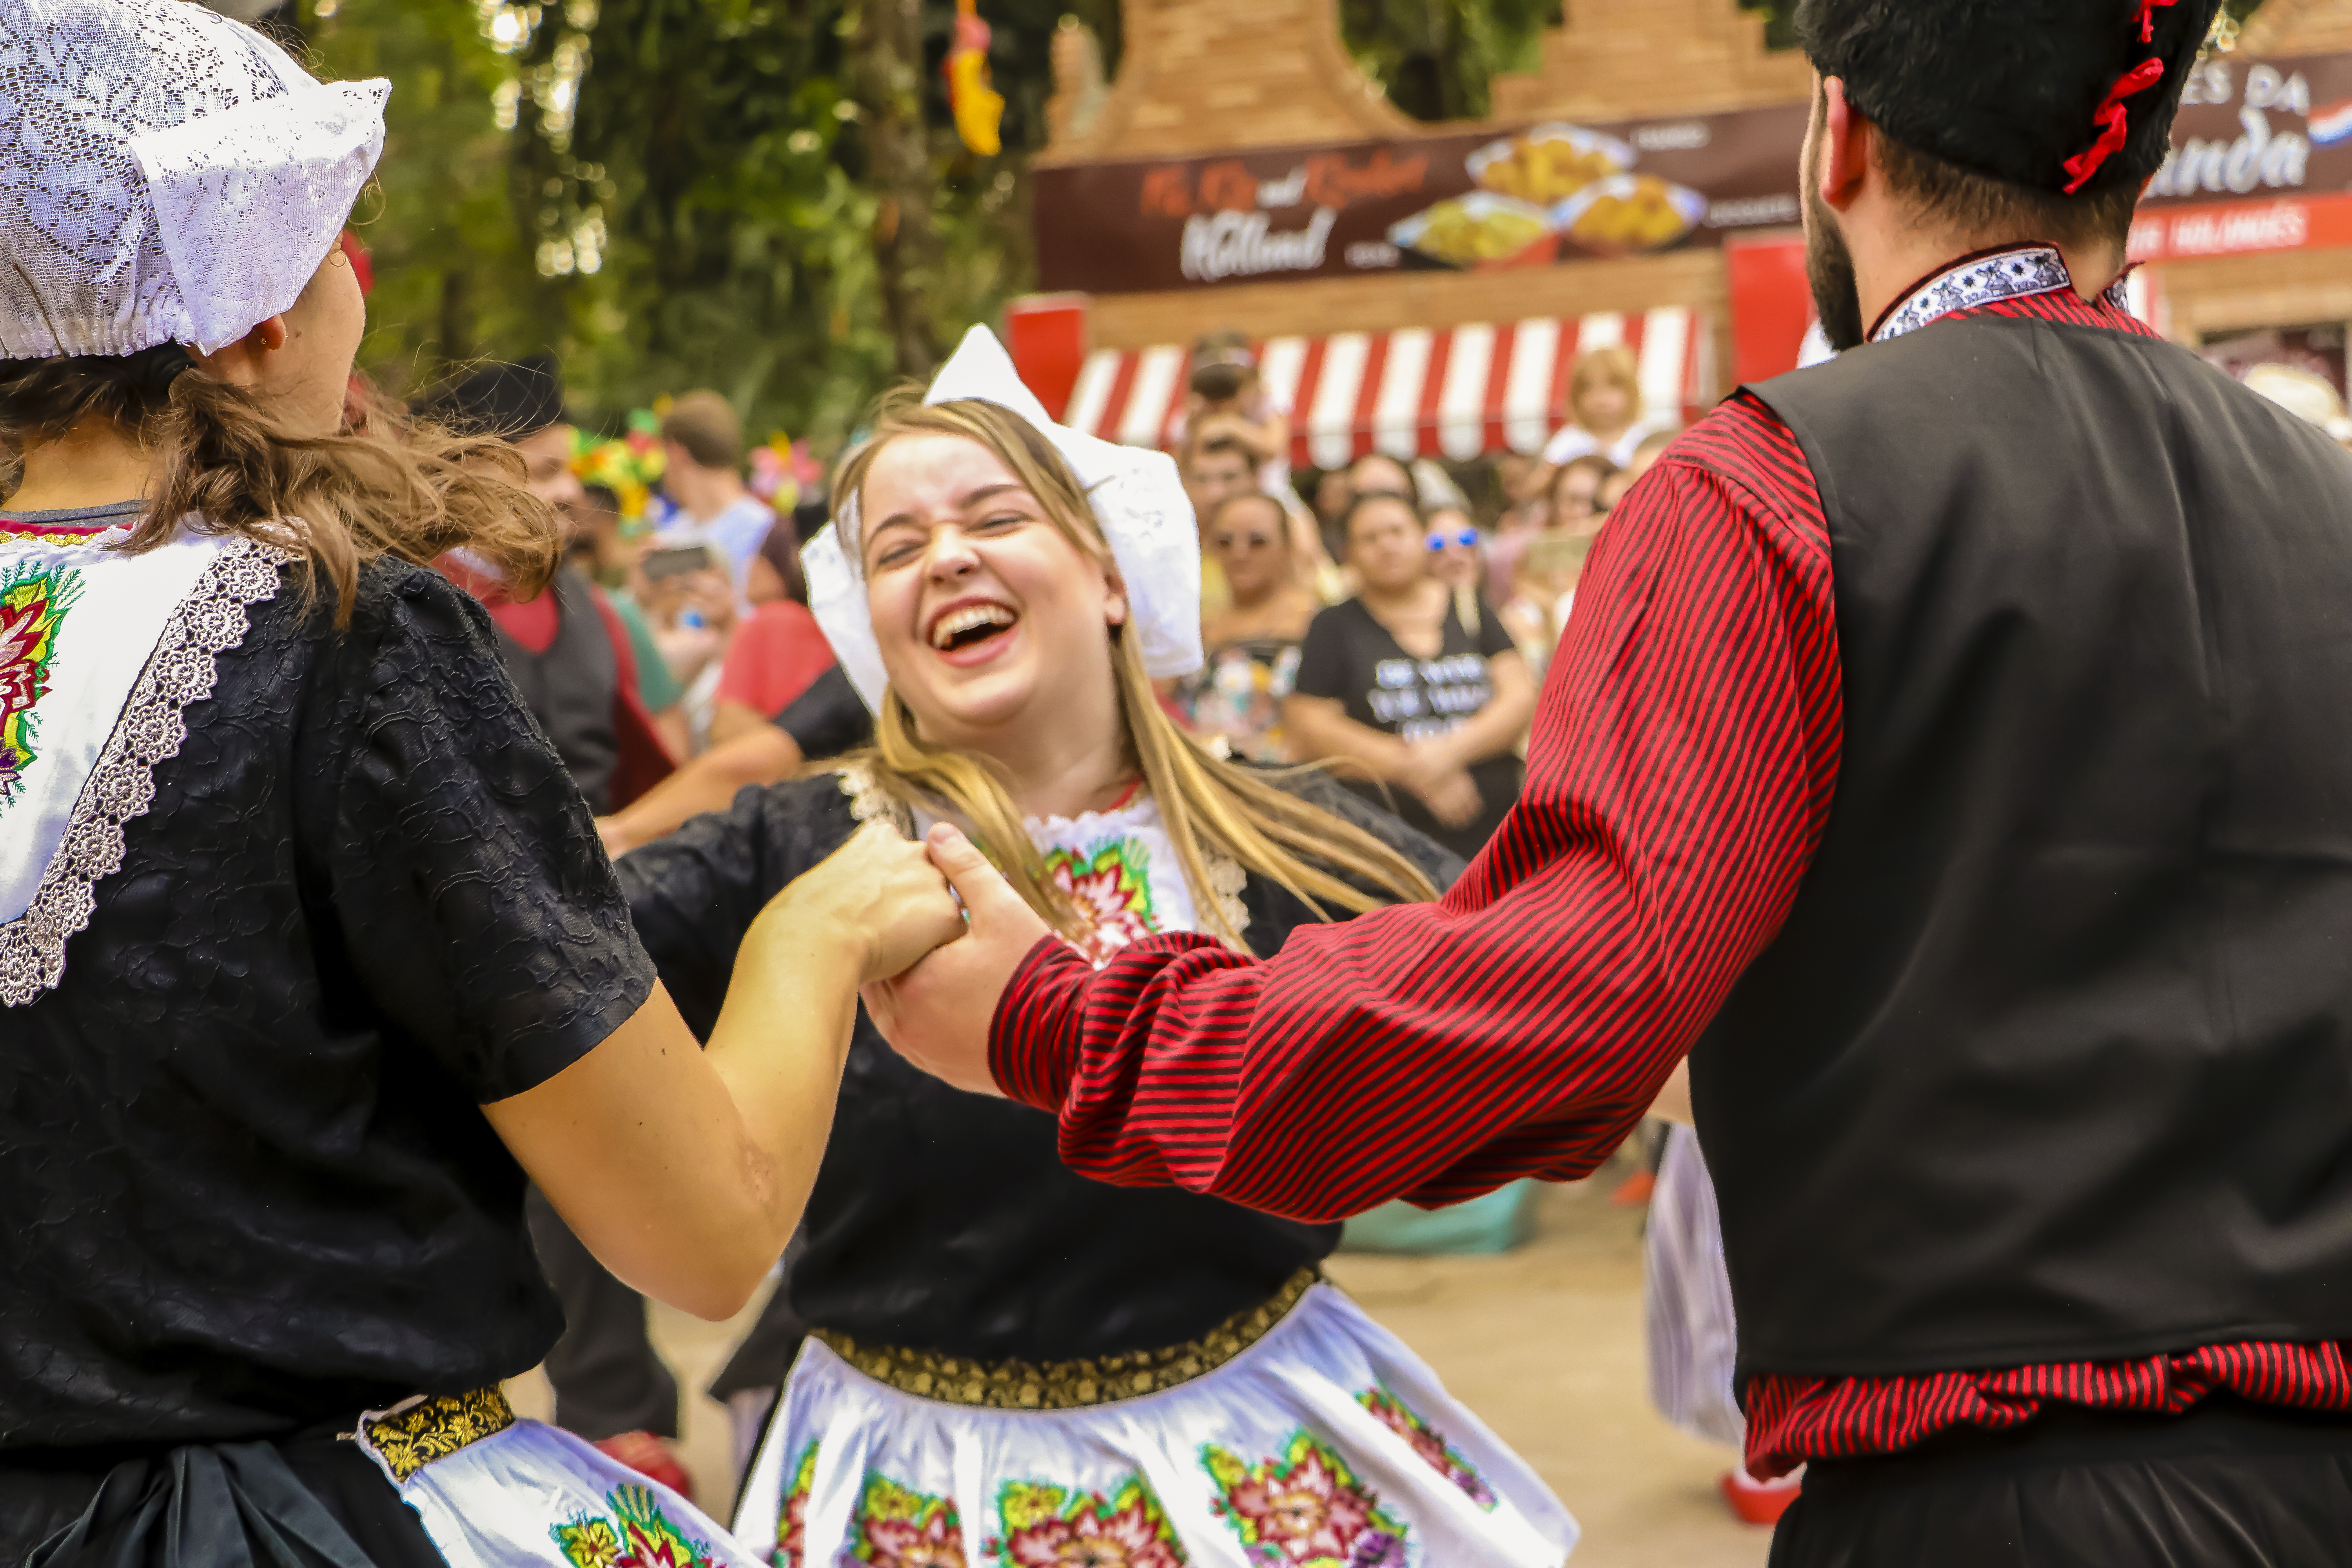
1427,1442
1306,1509
935,1542
22,627
1096,1536
899,1527
637,1534
30,610
792,1530
1112,894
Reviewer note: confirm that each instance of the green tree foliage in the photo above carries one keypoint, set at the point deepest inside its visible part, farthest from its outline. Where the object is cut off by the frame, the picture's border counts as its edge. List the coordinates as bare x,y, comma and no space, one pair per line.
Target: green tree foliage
453,275
1435,58
681,193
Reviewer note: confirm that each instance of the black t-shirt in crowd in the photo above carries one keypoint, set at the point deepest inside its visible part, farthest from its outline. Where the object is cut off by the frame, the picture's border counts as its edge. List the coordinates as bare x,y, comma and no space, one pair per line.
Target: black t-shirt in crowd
245,1182
1350,657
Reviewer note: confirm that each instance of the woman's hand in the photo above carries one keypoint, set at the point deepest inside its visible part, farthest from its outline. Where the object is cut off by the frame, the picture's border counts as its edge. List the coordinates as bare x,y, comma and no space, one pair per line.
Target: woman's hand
878,893
938,1013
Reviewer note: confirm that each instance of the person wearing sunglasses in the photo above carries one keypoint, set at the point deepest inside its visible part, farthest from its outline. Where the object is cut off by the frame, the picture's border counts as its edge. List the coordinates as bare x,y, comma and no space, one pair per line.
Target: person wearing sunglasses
1251,642
1454,560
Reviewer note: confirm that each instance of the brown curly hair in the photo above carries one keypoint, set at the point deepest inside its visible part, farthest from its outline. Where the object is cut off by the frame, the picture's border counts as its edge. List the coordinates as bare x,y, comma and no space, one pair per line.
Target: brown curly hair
383,485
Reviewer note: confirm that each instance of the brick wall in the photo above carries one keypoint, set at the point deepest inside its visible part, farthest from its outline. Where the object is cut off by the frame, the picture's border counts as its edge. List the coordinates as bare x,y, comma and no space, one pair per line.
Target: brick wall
1623,59
2298,28
1210,76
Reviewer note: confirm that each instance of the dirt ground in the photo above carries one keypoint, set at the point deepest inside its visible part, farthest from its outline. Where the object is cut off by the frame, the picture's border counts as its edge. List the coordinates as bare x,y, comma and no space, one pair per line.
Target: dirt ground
1543,1342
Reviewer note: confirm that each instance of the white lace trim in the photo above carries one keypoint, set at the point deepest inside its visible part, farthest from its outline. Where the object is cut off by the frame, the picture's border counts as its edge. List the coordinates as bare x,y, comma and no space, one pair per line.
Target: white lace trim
2010,274
868,802
1227,880
121,786
1143,812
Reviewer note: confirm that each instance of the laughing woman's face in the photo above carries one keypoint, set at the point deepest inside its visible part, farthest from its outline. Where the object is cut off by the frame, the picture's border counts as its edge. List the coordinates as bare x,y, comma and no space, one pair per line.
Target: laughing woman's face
990,620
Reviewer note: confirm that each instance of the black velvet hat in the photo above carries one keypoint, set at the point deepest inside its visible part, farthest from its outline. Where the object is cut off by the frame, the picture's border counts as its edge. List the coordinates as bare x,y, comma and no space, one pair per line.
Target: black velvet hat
509,400
2074,96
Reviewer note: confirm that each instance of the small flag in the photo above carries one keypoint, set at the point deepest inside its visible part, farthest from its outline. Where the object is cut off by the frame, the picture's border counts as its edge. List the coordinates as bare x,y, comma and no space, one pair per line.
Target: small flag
2331,124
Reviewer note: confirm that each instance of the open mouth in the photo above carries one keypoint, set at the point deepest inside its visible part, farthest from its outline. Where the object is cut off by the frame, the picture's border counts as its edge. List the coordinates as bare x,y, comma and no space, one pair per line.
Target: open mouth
962,630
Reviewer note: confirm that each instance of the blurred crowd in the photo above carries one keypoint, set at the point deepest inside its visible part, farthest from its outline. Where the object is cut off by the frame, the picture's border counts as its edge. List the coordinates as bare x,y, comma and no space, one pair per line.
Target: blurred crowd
1389,620
1394,619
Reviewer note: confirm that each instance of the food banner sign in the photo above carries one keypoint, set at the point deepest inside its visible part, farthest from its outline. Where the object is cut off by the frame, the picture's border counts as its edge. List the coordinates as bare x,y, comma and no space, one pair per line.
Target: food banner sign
1530,198
2261,160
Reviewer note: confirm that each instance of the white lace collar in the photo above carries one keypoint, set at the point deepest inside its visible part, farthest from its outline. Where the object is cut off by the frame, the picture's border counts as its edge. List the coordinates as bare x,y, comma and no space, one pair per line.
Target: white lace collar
1142,811
1978,280
100,654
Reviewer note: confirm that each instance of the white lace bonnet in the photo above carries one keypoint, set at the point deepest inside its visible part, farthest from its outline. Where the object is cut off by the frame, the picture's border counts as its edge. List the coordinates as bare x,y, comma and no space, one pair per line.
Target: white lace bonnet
166,174
1137,496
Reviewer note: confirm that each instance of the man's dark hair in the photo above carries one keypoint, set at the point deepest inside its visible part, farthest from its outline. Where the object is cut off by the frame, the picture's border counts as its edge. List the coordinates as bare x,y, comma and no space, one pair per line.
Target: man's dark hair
509,400
1979,204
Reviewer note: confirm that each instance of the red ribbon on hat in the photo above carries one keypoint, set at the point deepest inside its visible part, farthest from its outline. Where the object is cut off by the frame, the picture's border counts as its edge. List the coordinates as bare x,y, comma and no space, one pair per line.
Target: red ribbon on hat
2147,10
2110,117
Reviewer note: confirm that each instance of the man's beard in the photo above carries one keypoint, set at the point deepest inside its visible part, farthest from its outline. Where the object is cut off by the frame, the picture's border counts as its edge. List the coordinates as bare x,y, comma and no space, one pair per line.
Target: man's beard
1829,267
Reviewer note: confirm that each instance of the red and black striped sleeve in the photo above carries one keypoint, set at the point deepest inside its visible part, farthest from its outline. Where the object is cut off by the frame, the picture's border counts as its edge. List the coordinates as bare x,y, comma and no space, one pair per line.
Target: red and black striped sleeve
1686,749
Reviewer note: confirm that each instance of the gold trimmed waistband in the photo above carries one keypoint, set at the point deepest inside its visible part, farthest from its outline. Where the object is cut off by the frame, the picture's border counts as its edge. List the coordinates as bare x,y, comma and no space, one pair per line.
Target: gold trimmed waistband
1067,1385
411,1437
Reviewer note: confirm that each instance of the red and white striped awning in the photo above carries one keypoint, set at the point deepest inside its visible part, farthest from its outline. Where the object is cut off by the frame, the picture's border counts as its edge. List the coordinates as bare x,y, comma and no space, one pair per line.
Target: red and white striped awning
1449,392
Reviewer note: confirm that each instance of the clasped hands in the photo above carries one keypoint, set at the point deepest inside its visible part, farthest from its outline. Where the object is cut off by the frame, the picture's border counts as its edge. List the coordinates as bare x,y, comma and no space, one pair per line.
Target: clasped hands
936,934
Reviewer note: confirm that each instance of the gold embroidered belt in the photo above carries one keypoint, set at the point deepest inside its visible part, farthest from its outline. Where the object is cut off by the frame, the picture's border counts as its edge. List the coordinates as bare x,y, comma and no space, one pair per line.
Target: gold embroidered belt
411,1437
1067,1385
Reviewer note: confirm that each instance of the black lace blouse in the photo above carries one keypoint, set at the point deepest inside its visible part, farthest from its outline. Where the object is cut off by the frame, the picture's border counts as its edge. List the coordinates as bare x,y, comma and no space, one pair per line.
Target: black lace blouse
244,1183
946,1221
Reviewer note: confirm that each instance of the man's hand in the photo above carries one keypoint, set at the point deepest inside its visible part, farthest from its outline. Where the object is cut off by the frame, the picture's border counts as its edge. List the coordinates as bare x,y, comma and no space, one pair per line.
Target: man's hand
937,1014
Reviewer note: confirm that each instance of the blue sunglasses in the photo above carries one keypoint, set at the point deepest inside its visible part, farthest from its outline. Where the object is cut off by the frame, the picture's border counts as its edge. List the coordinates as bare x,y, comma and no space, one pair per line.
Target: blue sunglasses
1467,538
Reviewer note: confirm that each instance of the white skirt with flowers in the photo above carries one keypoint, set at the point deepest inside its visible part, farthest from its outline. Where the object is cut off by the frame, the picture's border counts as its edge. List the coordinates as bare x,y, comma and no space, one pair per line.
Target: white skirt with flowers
498,1492
1323,1443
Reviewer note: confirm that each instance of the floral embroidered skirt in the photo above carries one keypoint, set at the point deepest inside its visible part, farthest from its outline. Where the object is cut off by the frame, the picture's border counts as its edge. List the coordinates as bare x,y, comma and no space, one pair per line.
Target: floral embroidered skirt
1324,1443
497,1492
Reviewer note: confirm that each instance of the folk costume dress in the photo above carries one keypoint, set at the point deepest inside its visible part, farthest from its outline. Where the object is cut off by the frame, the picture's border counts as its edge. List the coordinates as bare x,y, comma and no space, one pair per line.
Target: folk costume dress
1010,1364
280,906
282,903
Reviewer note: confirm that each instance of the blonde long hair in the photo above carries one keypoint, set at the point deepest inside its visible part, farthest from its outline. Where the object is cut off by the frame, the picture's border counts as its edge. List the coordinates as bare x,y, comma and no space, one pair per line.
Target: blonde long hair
1203,799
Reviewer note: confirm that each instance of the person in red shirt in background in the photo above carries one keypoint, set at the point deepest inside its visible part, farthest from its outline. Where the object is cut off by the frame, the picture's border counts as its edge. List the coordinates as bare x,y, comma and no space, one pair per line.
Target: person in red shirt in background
566,649
778,650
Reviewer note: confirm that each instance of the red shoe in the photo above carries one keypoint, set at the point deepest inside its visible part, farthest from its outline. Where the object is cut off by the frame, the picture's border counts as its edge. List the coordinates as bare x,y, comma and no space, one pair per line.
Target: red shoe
1634,1190
650,1456
1761,1502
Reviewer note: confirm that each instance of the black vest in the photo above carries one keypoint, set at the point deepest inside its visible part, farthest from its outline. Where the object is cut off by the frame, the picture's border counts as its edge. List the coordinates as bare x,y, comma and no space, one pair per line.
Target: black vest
2052,1060
570,688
